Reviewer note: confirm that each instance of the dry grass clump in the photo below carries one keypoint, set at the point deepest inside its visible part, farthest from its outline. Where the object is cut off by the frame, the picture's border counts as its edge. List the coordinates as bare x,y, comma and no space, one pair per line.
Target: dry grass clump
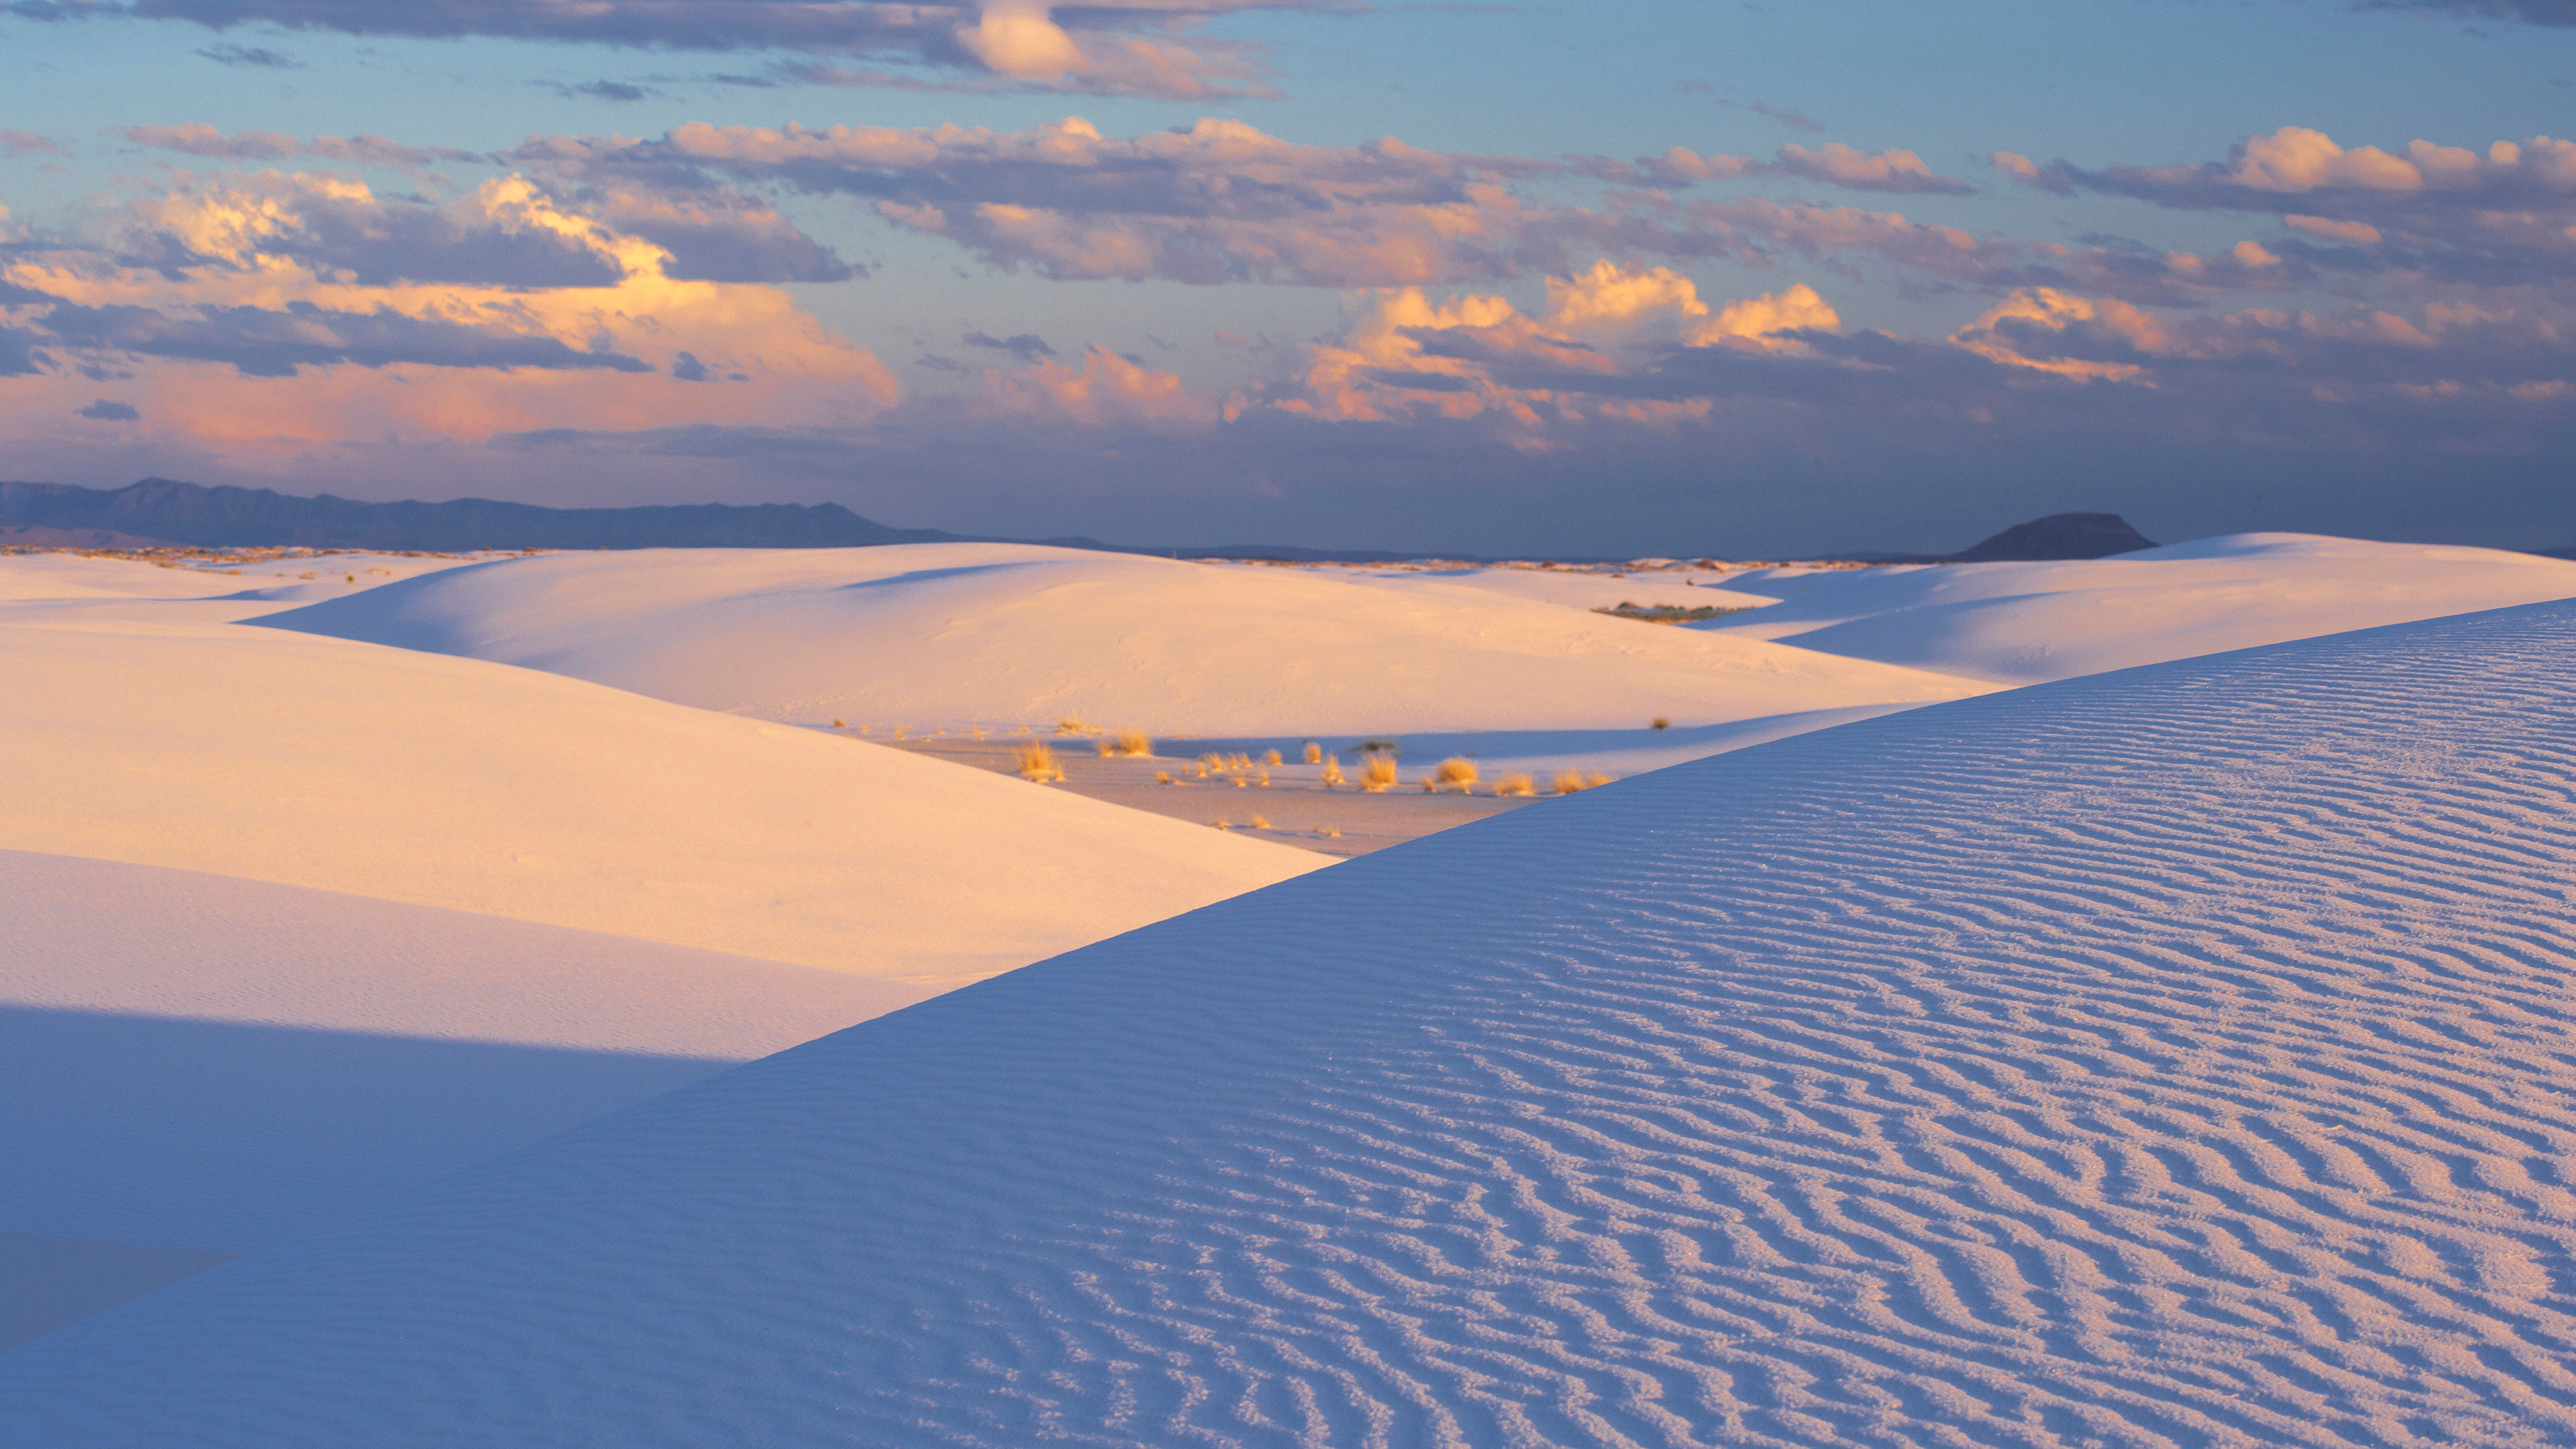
1314,753
1070,726
903,732
979,732
1331,834
1377,773
1271,758
1661,723
1162,777
1037,763
1573,780
1260,822
839,723
1332,772
1222,824
1265,779
1131,743
1512,786
1455,774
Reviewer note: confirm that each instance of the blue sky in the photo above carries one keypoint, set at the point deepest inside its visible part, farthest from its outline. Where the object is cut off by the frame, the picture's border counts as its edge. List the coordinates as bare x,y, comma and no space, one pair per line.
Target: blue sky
616,253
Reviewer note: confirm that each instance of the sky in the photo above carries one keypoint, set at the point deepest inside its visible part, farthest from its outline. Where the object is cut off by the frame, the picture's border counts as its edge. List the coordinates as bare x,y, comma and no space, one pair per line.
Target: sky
1725,279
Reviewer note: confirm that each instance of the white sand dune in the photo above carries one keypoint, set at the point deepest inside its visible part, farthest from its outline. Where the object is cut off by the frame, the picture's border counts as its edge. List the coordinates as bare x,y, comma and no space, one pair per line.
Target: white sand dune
199,1065
347,767
2020,623
1572,588
951,634
2170,1057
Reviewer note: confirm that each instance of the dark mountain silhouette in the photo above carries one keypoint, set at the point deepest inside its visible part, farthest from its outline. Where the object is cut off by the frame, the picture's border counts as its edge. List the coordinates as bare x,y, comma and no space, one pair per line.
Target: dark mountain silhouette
160,509
2058,536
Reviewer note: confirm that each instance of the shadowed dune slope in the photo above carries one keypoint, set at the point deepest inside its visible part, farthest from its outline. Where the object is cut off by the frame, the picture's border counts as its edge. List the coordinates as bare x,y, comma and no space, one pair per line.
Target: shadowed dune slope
2173,1057
1018,634
2020,623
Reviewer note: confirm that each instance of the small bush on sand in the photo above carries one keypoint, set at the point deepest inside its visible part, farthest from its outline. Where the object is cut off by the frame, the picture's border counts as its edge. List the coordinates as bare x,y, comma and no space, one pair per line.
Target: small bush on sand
1260,822
839,723
1222,824
1455,774
1573,780
1511,786
1661,723
1332,772
1271,758
979,732
1132,743
1265,779
1037,762
903,732
1314,753
1070,726
1162,777
1105,748
1377,774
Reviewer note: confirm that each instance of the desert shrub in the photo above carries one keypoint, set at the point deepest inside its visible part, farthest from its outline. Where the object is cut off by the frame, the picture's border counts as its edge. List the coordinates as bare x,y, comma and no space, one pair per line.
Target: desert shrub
1573,780
1260,822
1314,753
1669,613
1513,785
1377,773
1162,777
903,732
1134,744
1332,772
1455,774
1070,726
839,723
1271,758
1105,748
1037,762
979,732
1661,723
1222,824
1265,779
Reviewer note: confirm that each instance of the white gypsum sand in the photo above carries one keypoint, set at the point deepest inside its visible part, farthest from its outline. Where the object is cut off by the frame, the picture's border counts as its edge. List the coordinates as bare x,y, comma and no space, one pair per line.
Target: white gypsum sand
200,1065
2020,623
349,767
1009,634
2167,1057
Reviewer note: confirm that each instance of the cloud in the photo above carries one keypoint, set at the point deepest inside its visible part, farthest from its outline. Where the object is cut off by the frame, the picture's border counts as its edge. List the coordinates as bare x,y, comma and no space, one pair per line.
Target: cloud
1408,356
287,312
250,57
2528,12
108,411
27,143
601,90
1027,346
1105,389
200,139
1119,47
1886,171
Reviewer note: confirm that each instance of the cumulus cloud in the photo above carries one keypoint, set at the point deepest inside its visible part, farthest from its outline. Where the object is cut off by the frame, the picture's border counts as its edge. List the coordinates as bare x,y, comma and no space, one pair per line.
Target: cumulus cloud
1833,162
107,410
1408,356
27,143
1134,47
287,311
2503,214
1105,389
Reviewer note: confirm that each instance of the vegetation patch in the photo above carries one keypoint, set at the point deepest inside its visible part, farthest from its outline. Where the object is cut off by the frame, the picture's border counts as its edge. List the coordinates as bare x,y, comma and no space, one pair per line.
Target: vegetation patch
1670,613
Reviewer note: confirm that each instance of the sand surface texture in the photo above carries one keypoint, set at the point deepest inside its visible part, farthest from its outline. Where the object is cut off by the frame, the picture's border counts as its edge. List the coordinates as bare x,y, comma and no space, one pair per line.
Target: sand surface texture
453,782
2020,623
2169,1057
926,635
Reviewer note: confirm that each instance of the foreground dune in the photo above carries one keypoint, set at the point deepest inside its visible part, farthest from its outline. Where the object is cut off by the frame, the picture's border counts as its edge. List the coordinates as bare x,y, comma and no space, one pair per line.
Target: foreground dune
2020,623
198,1065
951,634
2167,1057
452,782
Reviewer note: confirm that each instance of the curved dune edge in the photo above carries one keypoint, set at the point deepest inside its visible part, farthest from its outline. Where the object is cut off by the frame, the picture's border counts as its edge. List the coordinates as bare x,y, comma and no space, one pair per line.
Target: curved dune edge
2167,1057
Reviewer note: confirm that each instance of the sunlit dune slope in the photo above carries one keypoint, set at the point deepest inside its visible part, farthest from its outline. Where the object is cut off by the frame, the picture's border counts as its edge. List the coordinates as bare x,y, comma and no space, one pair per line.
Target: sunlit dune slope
2169,1057
453,782
2022,622
949,634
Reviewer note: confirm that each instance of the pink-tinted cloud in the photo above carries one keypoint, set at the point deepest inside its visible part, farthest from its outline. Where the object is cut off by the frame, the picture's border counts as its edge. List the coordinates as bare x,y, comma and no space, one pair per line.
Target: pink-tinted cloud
27,143
1116,47
259,327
